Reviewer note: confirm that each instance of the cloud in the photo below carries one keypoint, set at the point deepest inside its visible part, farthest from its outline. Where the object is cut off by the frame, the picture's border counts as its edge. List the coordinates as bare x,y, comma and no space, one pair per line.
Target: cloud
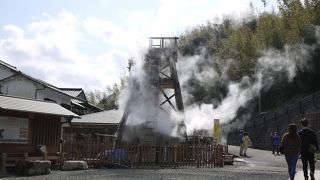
54,47
171,18
48,48
109,31
174,16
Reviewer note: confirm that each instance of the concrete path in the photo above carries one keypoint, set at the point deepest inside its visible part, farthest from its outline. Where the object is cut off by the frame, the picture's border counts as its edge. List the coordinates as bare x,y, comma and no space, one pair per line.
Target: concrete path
265,159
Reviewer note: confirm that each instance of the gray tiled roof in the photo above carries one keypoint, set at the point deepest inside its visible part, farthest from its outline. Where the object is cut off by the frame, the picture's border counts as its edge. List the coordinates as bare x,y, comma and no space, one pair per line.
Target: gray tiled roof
28,105
77,102
9,66
108,117
72,91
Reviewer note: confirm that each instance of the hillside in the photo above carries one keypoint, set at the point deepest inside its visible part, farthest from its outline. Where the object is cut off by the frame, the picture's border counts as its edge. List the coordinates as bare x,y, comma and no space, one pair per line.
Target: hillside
235,49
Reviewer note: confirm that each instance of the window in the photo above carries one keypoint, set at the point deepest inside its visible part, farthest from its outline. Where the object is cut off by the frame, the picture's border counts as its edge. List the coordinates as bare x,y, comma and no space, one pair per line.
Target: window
50,100
67,106
13,129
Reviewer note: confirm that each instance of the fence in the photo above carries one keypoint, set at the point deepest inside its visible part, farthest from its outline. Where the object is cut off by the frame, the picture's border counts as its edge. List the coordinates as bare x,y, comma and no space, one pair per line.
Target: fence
262,125
138,156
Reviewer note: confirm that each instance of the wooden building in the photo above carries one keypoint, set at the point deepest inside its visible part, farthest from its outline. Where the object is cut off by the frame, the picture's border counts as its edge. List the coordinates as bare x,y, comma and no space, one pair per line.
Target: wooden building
100,126
30,129
14,82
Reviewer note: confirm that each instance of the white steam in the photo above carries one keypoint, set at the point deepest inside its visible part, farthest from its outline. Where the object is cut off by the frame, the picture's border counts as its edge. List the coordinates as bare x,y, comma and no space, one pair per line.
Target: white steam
272,67
142,102
272,64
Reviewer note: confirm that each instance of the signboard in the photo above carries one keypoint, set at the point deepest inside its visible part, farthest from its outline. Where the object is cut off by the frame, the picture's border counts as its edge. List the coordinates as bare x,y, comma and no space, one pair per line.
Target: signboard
13,129
216,131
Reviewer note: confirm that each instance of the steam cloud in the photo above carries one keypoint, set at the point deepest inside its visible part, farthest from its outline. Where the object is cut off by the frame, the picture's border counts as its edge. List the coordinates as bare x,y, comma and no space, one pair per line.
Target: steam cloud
272,64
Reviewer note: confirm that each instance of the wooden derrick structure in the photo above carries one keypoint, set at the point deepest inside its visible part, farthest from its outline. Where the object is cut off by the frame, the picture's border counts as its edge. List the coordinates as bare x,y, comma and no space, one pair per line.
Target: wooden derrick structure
162,76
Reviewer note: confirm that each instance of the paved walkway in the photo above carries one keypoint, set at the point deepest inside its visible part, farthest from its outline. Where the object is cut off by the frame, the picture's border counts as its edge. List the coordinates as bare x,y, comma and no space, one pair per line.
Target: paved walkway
265,159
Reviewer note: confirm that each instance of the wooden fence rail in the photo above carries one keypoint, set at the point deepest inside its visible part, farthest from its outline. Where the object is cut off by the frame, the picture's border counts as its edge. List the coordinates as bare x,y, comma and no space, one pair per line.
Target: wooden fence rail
136,156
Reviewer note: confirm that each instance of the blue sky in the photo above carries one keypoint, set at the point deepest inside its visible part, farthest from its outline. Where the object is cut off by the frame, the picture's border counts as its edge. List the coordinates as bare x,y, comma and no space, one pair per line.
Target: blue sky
81,43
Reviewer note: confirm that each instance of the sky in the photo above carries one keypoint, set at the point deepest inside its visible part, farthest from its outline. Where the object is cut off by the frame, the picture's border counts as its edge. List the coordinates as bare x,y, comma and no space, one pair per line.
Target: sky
86,44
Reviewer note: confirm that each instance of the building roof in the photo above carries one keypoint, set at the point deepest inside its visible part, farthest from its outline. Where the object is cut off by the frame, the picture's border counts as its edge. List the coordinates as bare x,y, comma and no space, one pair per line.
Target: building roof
33,106
48,85
72,91
77,103
43,83
104,117
9,66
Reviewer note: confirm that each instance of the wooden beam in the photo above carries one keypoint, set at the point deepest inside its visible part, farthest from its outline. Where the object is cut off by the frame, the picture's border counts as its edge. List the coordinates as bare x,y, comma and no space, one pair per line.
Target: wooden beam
167,100
165,75
165,95
164,66
167,83
177,89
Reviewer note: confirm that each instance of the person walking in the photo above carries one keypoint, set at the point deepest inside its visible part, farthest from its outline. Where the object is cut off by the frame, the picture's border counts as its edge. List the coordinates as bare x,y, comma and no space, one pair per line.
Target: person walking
246,143
241,142
275,139
308,148
291,144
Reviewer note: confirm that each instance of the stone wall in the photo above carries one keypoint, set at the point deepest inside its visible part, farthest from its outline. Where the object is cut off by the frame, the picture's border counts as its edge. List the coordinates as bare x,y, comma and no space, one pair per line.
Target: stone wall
261,125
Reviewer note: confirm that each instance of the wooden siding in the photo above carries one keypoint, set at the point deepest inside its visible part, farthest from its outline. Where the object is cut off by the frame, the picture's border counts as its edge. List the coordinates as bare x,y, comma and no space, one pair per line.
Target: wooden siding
46,130
42,130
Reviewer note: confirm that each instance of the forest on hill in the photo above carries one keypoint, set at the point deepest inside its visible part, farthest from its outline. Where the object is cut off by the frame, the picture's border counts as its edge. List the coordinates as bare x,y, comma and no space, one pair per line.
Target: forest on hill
240,44
294,23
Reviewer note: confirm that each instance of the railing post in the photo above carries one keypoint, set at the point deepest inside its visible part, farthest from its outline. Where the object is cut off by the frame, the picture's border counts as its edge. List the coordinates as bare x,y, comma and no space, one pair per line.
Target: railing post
139,155
314,100
3,163
25,156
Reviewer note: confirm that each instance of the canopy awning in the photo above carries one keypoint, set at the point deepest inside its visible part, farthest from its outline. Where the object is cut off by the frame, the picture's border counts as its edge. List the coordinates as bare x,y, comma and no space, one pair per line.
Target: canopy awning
34,106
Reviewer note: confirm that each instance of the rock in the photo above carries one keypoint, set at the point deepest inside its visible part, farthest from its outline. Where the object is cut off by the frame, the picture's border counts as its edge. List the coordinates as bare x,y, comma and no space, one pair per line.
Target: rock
74,165
33,167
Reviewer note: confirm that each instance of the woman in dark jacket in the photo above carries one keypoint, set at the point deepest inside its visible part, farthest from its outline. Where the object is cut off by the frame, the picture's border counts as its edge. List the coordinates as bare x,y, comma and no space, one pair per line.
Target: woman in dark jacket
291,144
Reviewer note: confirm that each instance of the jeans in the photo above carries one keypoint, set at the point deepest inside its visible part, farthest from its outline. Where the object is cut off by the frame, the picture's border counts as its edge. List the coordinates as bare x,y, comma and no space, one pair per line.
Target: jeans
307,157
241,148
275,147
292,162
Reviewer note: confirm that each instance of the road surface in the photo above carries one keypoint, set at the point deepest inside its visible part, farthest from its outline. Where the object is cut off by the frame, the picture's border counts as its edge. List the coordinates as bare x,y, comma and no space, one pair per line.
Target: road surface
265,160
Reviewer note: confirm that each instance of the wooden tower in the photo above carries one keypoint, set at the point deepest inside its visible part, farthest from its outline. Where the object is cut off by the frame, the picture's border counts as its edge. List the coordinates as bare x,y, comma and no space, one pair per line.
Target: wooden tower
162,76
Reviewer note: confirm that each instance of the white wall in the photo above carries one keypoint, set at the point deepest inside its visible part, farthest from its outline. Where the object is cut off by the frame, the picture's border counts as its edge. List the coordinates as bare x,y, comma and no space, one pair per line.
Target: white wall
19,86
54,95
4,72
23,87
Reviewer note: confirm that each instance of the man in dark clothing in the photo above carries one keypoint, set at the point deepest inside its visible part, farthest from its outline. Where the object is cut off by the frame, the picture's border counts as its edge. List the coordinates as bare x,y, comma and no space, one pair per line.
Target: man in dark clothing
308,148
275,142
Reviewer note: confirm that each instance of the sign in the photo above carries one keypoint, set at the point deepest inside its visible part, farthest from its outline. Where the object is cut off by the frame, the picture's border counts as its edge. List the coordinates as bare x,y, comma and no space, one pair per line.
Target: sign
216,131
13,129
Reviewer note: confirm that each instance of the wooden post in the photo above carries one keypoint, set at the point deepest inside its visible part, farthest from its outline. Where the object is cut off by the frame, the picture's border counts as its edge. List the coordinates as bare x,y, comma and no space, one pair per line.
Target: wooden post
61,159
3,163
45,155
139,162
25,156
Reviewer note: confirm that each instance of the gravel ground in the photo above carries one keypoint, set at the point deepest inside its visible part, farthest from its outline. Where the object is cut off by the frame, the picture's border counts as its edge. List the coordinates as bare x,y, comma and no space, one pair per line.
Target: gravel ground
261,165
238,171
